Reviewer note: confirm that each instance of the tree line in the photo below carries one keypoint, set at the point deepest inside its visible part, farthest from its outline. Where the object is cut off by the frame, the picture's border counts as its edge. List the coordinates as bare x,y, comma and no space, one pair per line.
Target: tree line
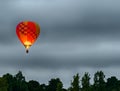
17,82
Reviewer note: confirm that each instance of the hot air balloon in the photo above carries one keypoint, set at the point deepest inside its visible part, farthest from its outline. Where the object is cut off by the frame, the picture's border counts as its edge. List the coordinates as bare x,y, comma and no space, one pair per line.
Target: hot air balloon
27,32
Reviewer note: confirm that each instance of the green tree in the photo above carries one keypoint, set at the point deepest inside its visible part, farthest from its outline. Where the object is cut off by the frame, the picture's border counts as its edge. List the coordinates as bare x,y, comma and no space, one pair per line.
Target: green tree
64,89
20,83
113,84
99,82
43,87
3,84
19,77
10,81
33,86
59,87
53,84
86,82
75,83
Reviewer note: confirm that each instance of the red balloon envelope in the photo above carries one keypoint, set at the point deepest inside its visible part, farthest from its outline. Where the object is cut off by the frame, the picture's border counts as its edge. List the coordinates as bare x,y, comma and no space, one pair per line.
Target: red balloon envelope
27,32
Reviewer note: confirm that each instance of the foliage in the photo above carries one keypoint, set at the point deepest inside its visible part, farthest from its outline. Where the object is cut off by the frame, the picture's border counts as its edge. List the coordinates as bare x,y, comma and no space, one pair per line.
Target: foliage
75,83
86,82
59,87
17,82
3,84
113,84
33,86
53,84
99,82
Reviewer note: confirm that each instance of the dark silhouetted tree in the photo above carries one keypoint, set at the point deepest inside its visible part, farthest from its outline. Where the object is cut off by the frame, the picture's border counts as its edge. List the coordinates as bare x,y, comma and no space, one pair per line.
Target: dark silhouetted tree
86,82
33,86
43,87
52,86
3,84
19,77
64,89
113,84
20,83
10,81
99,82
75,84
59,87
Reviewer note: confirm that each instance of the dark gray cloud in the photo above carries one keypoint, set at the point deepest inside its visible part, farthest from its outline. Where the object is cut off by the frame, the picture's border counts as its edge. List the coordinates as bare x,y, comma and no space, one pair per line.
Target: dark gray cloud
76,36
65,21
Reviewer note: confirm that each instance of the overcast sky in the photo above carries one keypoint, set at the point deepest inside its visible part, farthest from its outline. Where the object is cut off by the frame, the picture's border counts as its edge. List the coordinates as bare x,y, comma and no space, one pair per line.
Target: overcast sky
77,36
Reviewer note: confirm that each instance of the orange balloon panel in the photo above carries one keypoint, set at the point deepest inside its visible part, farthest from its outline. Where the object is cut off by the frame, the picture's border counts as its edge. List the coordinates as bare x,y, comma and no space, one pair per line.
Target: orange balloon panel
27,32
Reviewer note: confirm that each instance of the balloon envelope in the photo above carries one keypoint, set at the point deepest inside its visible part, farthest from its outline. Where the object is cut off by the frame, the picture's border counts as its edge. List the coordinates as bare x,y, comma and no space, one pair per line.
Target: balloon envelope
27,32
